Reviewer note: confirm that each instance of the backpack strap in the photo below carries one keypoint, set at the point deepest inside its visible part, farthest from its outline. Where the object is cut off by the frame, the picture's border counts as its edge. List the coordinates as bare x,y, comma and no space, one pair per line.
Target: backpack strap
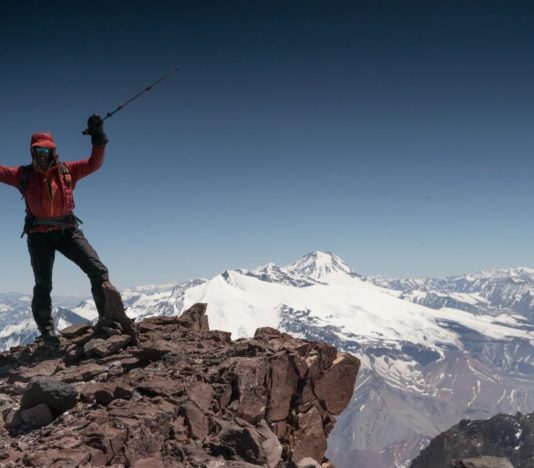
26,170
64,171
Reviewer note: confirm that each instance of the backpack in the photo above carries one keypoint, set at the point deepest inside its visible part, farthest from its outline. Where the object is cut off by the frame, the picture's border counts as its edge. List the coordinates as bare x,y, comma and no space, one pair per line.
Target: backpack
26,171
30,220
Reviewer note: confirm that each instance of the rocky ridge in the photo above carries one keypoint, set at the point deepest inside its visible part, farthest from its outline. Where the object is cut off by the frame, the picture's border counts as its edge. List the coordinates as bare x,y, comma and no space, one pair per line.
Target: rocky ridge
183,396
502,441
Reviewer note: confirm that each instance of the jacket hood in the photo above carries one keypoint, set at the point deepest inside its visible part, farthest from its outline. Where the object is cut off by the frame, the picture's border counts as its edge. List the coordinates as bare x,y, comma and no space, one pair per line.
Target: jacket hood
43,140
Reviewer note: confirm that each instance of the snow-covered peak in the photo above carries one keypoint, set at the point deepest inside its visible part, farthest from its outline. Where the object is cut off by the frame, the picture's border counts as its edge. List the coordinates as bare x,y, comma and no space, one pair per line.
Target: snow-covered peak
318,265
272,273
494,274
269,268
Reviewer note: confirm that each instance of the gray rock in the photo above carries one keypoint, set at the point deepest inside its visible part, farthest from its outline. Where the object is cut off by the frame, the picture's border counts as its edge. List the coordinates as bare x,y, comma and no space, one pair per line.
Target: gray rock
37,416
59,396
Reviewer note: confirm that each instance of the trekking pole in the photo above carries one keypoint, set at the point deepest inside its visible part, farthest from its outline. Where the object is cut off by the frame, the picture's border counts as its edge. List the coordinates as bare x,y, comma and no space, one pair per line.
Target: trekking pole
123,105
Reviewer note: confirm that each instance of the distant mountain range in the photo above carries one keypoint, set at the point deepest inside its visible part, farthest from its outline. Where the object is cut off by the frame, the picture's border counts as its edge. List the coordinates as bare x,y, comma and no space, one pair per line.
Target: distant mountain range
433,351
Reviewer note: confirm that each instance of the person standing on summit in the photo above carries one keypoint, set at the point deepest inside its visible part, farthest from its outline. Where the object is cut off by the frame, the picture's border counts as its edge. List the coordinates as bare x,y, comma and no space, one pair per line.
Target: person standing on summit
47,185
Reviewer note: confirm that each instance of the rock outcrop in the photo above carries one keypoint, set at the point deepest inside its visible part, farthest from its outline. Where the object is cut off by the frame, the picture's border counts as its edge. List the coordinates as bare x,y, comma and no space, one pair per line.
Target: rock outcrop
182,396
502,441
482,462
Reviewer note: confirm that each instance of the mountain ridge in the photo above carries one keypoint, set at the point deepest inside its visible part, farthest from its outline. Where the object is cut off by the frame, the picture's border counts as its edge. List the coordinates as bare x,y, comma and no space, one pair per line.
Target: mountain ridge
406,335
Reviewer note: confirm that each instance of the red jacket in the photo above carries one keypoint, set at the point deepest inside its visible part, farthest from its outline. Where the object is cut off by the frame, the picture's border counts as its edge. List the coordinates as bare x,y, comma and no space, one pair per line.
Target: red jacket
48,194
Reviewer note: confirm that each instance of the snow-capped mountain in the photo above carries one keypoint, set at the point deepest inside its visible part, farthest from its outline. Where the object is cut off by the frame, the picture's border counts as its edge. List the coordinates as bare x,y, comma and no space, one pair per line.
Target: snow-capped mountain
493,291
433,351
318,265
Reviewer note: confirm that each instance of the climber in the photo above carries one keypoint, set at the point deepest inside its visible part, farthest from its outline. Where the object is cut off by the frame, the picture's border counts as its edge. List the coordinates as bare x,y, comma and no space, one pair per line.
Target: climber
47,185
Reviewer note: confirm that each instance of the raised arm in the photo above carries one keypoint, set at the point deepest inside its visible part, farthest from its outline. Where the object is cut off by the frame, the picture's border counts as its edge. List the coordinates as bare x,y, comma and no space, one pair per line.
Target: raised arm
84,167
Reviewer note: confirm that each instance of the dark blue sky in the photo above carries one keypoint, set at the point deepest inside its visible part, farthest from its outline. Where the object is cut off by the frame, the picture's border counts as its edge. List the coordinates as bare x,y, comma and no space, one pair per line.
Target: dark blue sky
396,134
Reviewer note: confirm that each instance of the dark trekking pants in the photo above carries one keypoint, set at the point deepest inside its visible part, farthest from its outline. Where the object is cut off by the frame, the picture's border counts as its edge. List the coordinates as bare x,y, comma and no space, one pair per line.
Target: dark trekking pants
73,245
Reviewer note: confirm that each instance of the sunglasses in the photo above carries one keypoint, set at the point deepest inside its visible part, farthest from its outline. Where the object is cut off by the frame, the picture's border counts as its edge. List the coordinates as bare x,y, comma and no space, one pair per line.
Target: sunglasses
41,151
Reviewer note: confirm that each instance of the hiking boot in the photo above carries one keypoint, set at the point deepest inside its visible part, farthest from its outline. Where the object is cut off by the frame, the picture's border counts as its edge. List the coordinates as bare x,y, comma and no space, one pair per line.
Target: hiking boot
51,343
50,339
114,310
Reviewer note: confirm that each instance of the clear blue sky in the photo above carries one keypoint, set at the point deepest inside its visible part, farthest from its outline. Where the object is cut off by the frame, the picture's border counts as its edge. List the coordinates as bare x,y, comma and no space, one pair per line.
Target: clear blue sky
395,134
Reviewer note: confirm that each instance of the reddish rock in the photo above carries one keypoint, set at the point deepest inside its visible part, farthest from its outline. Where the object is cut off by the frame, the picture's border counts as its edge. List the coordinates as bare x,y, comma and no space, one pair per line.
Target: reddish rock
147,438
275,338
102,348
91,345
225,395
148,463
41,369
74,353
251,374
327,354
154,350
304,349
124,392
185,396
309,438
200,393
483,462
300,365
104,396
87,390
313,363
196,421
153,385
146,326
108,441
308,462
307,394
195,318
55,458
219,336
270,444
279,428
75,330
336,385
88,371
242,443
284,382
82,339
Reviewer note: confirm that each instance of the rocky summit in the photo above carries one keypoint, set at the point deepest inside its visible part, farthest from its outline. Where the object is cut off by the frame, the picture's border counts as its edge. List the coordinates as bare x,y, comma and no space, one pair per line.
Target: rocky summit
181,396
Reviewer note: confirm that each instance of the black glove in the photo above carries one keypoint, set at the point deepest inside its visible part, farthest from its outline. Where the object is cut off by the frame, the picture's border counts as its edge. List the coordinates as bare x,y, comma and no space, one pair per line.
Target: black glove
95,128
